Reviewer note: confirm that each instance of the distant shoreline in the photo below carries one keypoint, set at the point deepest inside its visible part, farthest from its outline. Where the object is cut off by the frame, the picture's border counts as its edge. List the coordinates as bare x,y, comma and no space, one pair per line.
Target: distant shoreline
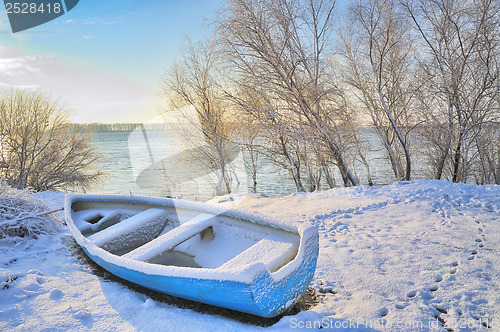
115,127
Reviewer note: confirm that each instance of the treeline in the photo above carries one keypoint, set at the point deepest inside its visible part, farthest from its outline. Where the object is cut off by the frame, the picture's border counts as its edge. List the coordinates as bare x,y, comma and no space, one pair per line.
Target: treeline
293,81
115,127
104,127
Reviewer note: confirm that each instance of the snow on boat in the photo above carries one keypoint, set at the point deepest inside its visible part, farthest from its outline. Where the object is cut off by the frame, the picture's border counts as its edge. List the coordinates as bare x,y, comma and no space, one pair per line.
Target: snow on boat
227,258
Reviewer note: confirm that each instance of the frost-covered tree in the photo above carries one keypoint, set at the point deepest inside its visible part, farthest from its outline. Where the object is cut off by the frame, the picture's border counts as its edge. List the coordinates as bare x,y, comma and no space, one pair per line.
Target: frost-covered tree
250,139
279,49
461,68
193,80
39,148
377,51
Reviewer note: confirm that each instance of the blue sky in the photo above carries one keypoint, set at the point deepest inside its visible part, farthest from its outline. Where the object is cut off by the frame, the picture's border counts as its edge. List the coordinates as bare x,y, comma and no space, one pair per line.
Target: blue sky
104,59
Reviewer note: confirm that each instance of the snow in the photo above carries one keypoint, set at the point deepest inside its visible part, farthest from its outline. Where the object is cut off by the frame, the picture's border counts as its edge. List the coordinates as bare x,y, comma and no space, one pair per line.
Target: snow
130,225
260,253
171,239
21,215
412,256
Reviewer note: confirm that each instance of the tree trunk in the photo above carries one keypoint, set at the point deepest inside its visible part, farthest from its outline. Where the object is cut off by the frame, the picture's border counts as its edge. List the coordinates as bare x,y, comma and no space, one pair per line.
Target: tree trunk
456,159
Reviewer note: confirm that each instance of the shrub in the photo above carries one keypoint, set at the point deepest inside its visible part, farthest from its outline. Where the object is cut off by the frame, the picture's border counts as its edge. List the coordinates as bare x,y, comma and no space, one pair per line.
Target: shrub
23,216
39,149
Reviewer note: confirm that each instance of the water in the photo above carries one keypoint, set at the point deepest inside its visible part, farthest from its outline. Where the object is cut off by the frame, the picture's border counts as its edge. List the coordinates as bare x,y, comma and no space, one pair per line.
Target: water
122,163
126,155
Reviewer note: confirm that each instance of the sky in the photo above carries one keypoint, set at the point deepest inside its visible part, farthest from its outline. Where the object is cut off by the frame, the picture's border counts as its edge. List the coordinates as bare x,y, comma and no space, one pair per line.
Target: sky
103,59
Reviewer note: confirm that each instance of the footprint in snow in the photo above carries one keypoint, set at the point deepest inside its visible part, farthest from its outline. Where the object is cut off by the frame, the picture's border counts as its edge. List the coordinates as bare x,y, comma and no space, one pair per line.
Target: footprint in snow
85,317
441,310
473,254
411,294
383,312
32,283
454,265
438,317
401,305
11,261
56,295
429,295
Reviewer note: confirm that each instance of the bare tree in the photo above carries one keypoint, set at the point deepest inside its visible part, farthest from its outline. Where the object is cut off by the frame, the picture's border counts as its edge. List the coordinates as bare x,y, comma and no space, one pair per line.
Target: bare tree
279,47
194,81
486,167
461,64
275,127
40,150
251,141
352,124
377,50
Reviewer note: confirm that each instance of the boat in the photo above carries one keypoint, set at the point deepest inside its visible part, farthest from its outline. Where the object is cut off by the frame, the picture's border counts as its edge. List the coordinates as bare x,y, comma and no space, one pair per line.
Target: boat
207,253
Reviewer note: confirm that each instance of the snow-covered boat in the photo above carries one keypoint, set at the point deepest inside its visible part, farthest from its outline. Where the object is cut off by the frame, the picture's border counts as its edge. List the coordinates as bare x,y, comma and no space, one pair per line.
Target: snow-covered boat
205,253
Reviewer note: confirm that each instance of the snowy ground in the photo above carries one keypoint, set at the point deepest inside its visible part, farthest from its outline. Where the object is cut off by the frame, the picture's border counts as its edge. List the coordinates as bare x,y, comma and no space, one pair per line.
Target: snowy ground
421,256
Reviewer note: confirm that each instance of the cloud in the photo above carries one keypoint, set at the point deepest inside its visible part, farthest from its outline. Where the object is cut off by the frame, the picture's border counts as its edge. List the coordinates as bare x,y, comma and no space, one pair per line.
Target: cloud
14,66
108,20
93,94
100,21
90,21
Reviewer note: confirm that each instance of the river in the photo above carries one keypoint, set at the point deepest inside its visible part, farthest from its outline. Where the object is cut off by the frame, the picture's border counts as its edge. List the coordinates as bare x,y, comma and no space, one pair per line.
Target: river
126,156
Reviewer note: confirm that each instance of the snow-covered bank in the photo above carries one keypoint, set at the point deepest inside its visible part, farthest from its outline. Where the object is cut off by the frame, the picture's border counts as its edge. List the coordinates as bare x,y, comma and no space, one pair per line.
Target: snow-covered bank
407,257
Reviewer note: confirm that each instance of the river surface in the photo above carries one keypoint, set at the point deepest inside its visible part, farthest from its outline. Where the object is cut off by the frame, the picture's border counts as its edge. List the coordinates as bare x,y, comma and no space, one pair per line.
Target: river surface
148,164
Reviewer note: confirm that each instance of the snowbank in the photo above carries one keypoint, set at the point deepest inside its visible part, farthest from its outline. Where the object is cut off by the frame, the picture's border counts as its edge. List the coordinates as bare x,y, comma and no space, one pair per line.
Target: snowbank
419,256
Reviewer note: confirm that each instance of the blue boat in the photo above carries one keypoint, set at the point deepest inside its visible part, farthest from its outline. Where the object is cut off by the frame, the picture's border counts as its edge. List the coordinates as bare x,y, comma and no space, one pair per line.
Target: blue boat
210,254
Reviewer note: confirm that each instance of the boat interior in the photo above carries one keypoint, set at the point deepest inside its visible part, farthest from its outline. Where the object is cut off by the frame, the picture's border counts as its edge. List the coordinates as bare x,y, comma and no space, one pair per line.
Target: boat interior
182,237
